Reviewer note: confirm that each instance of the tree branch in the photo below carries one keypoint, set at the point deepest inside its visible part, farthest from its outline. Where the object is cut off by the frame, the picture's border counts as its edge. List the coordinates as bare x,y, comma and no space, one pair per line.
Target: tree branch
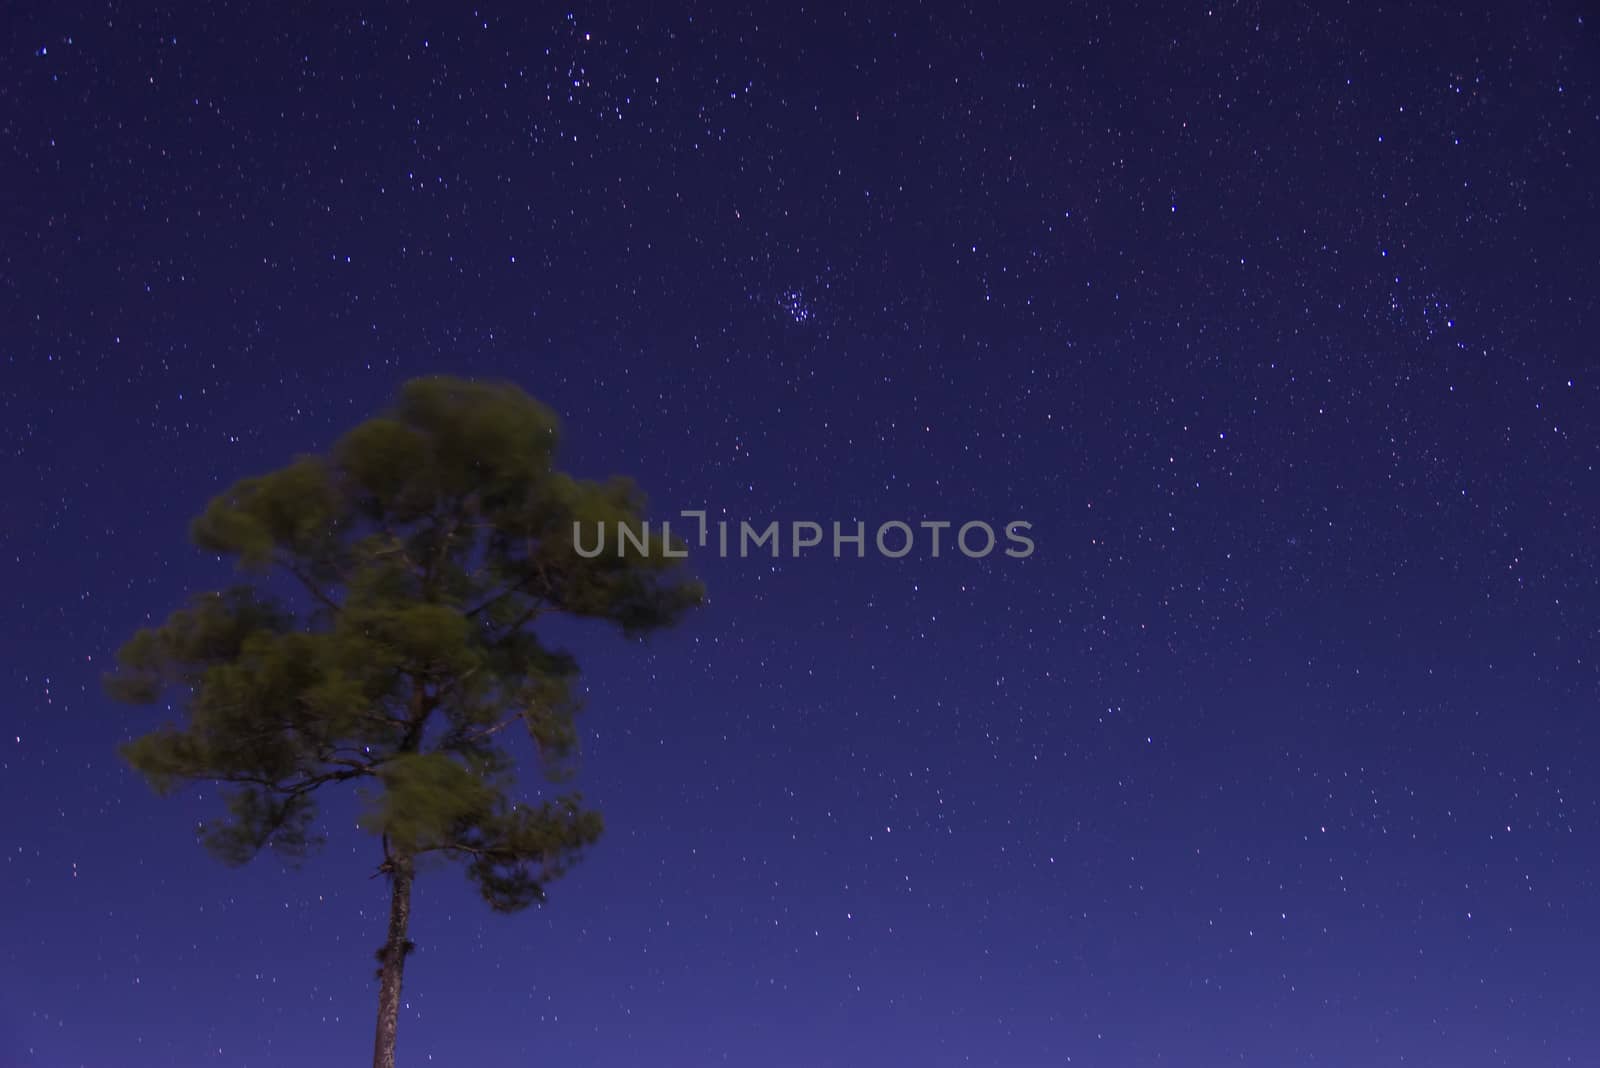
311,587
515,587
485,732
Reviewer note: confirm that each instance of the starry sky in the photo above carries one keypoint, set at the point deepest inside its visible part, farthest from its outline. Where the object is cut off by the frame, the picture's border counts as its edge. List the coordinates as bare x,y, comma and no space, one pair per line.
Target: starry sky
1275,321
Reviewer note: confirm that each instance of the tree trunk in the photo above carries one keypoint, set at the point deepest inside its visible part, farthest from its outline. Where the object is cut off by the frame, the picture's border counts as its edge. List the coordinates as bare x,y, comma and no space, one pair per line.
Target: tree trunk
393,958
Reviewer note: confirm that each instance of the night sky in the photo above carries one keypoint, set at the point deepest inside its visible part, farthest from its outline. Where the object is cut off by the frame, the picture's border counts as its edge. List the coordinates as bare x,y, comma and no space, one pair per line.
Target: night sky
1276,322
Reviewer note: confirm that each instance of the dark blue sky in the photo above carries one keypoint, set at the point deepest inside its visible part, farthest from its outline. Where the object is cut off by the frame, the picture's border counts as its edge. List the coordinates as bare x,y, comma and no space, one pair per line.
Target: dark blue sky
1276,323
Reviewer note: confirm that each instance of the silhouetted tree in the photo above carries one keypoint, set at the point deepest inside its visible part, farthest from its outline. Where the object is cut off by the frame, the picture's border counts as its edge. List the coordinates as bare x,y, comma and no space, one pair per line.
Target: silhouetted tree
424,546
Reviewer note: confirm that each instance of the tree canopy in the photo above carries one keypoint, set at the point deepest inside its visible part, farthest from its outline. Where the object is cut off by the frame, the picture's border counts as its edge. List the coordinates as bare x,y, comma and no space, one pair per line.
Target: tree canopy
384,635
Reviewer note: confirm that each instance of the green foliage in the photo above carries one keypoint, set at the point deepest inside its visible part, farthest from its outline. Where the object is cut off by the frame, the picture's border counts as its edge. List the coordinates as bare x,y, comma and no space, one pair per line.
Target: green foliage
425,546
258,818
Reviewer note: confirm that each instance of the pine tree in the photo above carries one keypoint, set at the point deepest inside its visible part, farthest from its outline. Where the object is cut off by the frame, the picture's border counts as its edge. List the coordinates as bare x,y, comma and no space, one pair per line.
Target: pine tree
421,551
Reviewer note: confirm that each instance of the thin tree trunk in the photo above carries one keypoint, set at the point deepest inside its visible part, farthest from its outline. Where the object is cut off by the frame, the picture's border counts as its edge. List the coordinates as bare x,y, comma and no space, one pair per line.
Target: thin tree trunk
393,958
